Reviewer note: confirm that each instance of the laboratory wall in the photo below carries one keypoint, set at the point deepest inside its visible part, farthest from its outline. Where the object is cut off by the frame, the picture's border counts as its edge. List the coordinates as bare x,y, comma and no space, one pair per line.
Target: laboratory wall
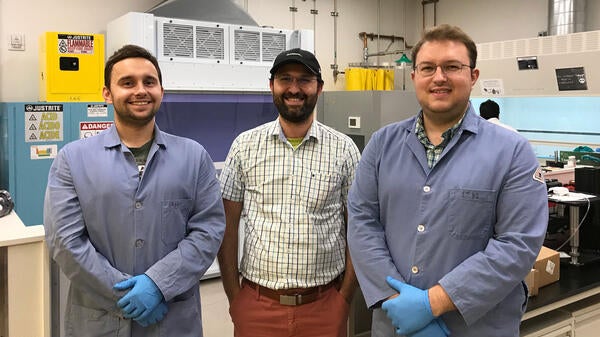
336,25
487,21
19,71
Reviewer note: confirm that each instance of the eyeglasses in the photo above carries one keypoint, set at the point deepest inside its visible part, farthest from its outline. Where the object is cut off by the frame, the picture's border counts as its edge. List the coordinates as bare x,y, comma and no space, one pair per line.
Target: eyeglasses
428,69
287,81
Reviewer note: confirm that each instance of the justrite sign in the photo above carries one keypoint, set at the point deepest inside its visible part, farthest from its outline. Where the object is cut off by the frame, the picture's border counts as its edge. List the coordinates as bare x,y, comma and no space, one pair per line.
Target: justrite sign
75,44
43,122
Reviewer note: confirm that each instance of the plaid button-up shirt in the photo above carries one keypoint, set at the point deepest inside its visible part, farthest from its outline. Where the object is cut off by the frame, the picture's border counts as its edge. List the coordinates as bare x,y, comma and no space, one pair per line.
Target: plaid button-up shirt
294,202
434,151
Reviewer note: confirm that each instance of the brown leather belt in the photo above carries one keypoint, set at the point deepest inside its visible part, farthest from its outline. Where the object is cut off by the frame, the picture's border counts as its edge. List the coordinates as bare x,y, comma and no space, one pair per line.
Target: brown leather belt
291,297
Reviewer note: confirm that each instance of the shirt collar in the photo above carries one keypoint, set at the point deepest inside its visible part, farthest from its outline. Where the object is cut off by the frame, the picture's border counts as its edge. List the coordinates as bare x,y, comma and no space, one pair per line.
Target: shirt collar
467,122
313,132
112,138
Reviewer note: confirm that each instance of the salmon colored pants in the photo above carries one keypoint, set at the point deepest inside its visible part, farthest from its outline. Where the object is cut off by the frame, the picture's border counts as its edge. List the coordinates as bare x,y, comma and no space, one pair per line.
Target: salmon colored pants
258,316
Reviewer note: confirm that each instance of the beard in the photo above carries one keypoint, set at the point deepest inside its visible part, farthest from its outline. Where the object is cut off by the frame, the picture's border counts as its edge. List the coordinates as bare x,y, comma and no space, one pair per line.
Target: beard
295,114
132,119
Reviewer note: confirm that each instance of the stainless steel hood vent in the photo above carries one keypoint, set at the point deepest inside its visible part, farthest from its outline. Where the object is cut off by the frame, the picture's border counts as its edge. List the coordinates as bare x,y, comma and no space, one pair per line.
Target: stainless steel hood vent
566,16
224,11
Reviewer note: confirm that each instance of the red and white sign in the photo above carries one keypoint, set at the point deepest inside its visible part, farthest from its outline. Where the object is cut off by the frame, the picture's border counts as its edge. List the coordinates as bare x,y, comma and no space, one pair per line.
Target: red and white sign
75,44
89,129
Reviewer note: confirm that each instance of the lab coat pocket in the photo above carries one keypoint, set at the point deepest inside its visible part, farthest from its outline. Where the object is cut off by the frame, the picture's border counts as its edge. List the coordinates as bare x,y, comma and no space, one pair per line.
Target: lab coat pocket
174,218
471,213
83,321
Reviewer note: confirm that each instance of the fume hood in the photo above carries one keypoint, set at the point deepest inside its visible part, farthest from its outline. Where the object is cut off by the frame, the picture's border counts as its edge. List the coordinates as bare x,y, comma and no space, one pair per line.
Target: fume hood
206,56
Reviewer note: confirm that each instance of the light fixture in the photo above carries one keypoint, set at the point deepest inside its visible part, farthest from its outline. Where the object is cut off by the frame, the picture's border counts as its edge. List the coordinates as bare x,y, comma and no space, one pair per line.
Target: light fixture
403,59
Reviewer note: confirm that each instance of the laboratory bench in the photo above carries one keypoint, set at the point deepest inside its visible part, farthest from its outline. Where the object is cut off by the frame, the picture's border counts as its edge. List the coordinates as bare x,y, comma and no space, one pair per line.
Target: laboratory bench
569,307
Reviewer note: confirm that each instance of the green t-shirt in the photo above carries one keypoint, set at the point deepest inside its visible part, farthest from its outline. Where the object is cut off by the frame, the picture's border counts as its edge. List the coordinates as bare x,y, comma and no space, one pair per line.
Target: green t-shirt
295,141
141,154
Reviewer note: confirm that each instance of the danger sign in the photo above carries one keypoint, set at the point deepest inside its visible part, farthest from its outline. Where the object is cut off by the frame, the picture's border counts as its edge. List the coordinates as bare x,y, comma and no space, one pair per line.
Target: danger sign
89,129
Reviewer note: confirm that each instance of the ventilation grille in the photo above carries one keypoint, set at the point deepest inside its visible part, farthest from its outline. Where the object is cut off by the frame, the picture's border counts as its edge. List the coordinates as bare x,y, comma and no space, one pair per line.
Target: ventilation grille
272,45
246,46
547,45
210,43
178,40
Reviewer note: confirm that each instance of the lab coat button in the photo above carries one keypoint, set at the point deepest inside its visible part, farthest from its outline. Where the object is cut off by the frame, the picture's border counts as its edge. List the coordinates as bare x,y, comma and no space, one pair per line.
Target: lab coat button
420,228
138,204
426,189
139,243
414,269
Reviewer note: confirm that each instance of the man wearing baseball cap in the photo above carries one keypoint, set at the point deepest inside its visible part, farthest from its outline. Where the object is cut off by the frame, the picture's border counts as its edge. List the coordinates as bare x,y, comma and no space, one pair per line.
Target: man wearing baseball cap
288,181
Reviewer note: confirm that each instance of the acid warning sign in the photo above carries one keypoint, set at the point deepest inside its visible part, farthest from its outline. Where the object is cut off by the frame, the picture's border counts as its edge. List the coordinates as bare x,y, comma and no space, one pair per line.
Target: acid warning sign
75,44
89,129
43,122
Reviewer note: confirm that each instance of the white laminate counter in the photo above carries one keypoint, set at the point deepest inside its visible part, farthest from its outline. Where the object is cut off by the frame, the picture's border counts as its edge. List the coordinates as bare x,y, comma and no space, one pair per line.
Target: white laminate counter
14,232
24,280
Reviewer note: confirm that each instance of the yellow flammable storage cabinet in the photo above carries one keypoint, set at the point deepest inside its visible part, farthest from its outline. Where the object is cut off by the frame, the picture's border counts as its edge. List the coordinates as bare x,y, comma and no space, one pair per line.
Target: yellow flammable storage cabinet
72,67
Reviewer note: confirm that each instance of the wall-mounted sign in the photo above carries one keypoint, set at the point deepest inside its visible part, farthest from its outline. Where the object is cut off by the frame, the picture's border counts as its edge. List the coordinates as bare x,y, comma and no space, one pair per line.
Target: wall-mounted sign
571,79
43,151
97,110
43,122
527,63
492,87
89,129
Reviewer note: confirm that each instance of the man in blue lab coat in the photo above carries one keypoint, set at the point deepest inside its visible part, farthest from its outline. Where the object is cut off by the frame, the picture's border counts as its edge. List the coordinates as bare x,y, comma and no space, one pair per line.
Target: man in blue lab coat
133,216
447,212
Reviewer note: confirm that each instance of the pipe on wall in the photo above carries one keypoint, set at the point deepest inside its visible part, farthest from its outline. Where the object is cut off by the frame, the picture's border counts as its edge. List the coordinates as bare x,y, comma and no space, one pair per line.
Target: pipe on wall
364,36
293,9
335,66
427,2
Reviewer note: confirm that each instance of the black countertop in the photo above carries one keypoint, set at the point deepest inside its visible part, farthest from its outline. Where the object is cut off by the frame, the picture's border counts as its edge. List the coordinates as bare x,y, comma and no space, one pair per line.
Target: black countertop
573,280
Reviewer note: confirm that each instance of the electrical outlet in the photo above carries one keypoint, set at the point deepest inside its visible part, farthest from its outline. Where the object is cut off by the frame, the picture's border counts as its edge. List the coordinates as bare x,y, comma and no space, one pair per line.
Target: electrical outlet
354,122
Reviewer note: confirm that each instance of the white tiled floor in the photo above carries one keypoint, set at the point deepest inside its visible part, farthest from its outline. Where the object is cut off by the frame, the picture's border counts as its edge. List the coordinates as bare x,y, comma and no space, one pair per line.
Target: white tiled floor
215,315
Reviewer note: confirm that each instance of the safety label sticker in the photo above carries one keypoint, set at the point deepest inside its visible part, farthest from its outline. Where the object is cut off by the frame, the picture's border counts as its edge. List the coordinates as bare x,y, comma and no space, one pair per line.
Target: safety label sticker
89,129
43,122
97,110
75,44
43,151
492,87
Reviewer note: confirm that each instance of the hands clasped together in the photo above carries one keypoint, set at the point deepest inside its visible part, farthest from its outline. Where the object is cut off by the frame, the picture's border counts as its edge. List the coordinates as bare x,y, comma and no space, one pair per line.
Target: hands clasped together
144,303
410,312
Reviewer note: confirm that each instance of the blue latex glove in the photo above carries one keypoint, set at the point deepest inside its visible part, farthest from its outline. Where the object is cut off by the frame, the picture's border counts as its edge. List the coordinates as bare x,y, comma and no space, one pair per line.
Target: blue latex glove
410,311
154,316
142,299
436,328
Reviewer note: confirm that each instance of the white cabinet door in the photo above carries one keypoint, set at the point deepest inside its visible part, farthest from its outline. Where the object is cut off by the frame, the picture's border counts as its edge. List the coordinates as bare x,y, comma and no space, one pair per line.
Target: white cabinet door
587,324
557,323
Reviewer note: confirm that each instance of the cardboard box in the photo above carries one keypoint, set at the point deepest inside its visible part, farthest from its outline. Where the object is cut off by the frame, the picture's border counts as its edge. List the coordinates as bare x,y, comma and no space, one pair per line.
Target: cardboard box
532,280
548,265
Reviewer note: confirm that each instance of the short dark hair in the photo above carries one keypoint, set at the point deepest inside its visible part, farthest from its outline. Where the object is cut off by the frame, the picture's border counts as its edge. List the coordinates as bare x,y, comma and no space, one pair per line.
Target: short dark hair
447,33
125,52
489,109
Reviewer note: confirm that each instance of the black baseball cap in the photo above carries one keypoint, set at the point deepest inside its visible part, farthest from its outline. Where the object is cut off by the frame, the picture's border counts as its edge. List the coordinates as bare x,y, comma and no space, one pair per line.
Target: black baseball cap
298,55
